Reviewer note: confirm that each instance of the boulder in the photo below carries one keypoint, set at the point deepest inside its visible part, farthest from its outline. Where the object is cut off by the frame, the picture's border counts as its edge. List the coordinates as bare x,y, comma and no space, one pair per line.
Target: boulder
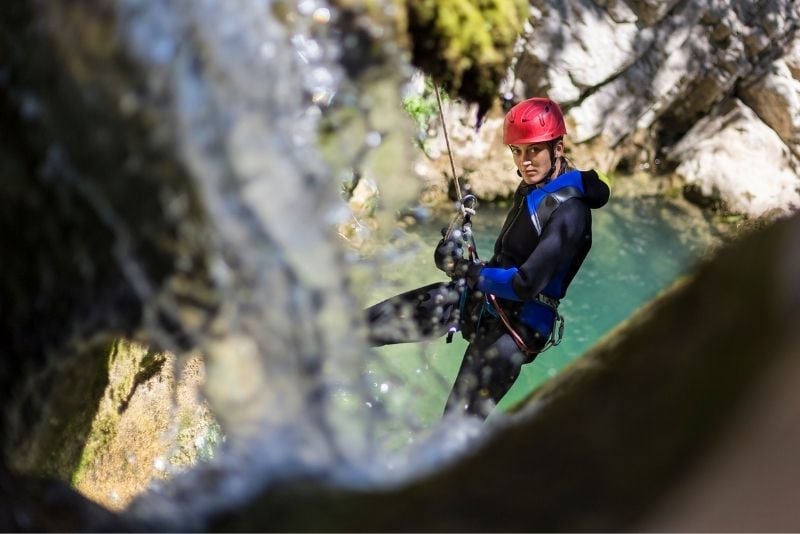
775,98
731,154
576,46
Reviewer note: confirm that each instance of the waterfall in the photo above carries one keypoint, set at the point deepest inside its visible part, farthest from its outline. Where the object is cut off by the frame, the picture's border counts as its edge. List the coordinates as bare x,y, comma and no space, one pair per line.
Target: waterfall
247,85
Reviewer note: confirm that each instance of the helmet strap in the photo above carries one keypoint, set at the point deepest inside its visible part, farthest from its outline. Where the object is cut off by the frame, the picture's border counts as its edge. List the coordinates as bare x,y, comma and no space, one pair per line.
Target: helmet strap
551,148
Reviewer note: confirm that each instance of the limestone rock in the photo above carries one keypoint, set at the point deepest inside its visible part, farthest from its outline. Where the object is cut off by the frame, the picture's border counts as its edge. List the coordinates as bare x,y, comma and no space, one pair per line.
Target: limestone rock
734,155
575,46
651,11
482,161
776,100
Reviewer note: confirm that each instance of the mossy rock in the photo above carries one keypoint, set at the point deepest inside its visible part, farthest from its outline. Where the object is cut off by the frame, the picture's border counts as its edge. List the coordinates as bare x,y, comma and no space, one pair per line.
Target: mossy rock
466,45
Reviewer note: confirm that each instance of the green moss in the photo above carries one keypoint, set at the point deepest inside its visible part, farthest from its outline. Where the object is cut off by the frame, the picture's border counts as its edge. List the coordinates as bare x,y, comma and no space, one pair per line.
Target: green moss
129,365
422,108
466,45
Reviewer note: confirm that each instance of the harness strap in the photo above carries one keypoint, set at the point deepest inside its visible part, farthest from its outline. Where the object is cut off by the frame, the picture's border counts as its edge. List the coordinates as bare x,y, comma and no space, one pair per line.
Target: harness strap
513,333
556,334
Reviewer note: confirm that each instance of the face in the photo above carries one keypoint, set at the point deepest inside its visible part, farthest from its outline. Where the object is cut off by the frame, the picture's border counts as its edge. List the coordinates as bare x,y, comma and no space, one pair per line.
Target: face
533,160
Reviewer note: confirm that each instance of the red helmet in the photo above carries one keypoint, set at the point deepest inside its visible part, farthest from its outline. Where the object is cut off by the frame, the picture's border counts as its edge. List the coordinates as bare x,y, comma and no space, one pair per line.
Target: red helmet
535,120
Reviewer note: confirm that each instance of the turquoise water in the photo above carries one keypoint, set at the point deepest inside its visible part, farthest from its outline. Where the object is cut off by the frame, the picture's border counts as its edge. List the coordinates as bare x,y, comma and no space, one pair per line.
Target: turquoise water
640,246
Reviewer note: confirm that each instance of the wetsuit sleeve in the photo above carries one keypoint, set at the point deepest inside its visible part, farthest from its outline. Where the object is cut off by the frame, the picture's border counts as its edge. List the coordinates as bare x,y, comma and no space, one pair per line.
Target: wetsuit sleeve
560,241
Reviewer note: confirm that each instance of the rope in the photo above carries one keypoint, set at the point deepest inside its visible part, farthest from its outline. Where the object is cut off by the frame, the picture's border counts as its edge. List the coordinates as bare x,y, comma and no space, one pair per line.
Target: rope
447,142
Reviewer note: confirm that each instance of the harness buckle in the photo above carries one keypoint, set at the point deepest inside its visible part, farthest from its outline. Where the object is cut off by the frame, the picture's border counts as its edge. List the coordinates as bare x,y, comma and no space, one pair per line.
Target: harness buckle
548,301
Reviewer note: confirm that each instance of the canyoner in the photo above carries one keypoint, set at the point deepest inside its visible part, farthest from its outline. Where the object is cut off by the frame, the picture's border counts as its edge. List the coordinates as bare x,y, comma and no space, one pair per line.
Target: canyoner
506,308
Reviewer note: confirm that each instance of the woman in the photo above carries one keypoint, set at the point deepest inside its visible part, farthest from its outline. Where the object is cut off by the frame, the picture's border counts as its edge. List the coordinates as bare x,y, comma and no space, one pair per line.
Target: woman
507,308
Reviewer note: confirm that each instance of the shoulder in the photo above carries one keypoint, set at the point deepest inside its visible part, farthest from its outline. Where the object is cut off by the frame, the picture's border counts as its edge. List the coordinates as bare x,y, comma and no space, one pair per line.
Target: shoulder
573,214
574,207
595,188
591,185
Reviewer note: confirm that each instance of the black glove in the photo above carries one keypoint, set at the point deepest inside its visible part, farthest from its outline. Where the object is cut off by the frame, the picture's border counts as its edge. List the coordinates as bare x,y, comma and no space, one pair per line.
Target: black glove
469,270
447,254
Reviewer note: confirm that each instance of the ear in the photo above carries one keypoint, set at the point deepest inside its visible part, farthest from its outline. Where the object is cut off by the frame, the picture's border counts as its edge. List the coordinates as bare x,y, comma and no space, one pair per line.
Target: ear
558,150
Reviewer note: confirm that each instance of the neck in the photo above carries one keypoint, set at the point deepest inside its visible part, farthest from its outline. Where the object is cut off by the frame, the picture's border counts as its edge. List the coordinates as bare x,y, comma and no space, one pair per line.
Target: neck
555,170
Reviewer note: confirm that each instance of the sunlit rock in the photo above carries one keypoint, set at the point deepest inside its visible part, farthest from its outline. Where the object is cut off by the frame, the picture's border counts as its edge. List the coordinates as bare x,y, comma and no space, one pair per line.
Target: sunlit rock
575,47
776,100
732,154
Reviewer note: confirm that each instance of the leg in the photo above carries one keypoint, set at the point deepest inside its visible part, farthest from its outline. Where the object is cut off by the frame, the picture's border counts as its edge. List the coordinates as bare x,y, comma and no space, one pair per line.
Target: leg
490,367
415,315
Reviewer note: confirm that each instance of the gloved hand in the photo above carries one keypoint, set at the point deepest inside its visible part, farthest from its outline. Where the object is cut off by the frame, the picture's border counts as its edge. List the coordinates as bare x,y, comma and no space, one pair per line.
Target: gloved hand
469,270
447,254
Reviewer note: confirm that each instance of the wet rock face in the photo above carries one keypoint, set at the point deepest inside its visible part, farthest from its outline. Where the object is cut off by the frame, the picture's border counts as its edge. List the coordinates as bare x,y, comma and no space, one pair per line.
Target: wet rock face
93,233
94,204
636,76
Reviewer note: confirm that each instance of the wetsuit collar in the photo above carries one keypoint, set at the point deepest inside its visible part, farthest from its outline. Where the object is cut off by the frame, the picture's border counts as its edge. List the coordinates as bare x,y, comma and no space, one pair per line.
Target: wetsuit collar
525,188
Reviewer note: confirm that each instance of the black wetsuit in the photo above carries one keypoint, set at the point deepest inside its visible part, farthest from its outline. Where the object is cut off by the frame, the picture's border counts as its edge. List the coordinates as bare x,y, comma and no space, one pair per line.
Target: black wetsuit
526,262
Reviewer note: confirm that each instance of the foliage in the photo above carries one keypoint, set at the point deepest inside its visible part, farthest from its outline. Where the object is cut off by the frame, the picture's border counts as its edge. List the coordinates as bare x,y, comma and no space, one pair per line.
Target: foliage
422,109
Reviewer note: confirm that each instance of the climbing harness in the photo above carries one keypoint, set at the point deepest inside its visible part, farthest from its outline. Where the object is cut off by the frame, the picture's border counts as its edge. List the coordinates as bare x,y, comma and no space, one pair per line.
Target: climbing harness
556,334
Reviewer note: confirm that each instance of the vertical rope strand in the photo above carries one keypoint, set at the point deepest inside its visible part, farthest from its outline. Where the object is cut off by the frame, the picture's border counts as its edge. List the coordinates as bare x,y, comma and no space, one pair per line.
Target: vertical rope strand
447,140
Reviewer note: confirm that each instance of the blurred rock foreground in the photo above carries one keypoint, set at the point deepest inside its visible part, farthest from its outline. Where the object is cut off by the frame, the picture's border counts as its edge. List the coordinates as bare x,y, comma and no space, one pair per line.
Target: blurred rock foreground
140,170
